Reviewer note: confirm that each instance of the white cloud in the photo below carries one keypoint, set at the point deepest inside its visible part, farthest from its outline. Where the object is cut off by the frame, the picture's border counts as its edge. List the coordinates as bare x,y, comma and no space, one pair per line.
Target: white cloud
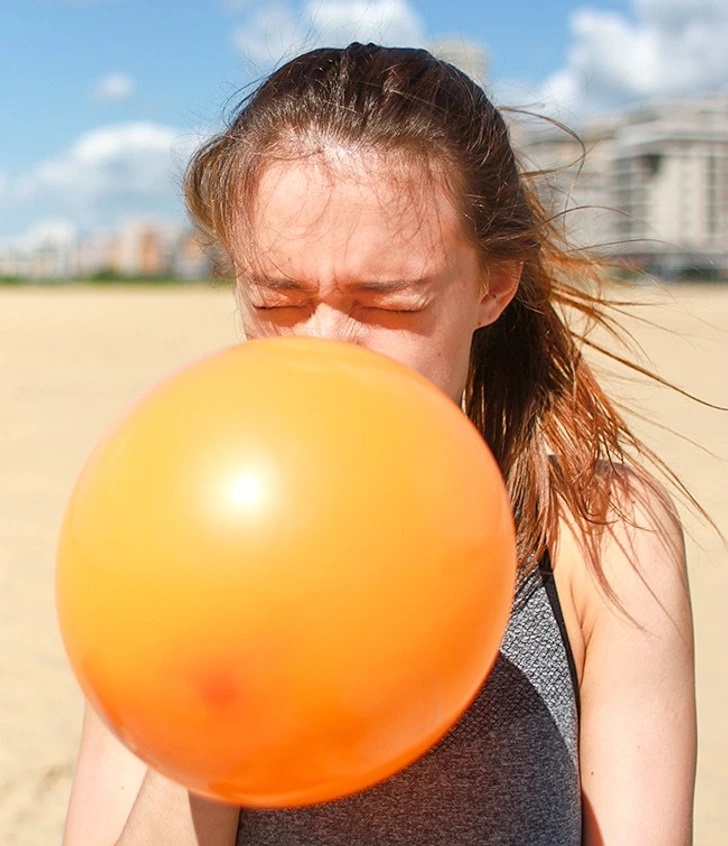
270,33
666,48
113,87
278,31
385,21
107,174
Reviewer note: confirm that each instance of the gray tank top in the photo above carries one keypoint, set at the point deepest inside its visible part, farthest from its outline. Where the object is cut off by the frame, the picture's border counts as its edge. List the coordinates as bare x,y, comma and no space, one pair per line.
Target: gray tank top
506,774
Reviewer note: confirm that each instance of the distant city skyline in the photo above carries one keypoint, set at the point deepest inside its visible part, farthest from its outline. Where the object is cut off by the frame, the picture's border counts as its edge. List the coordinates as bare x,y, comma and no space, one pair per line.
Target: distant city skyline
138,248
652,187
105,99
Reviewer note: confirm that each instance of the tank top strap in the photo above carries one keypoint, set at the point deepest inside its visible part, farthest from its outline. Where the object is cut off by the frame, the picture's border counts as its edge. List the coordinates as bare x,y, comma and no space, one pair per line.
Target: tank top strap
546,572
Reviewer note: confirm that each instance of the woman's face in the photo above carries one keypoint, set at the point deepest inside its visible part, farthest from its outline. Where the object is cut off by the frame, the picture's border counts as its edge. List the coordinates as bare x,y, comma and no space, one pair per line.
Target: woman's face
357,247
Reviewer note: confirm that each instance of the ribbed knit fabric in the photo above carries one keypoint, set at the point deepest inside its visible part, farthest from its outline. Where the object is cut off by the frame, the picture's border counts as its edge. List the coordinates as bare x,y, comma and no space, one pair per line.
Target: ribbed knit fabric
506,774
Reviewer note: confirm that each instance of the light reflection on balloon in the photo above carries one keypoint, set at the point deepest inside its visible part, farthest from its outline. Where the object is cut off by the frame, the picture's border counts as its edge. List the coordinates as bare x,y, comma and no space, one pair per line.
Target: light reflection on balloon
247,490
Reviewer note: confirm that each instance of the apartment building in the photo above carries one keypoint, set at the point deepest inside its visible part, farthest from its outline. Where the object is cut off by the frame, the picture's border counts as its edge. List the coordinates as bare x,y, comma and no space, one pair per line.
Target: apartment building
652,186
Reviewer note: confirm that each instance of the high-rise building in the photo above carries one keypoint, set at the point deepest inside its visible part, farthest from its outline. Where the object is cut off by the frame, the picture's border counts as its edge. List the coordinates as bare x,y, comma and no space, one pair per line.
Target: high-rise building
48,250
146,248
652,187
671,179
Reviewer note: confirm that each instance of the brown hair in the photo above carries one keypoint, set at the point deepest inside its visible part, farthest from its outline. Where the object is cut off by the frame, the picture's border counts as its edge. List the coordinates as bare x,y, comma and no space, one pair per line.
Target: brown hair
557,437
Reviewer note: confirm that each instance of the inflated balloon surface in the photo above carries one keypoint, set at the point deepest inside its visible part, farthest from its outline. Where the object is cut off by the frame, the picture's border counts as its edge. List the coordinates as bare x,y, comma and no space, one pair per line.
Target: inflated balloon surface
285,574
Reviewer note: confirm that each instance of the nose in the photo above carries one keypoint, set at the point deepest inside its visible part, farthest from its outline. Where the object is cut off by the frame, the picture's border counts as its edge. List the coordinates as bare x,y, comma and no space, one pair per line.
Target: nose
331,324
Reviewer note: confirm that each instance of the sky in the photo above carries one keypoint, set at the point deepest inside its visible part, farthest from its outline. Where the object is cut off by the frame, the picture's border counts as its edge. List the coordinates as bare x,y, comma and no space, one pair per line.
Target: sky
102,101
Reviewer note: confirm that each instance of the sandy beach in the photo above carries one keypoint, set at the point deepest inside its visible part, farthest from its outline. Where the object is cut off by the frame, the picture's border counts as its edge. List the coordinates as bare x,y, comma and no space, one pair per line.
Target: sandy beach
73,358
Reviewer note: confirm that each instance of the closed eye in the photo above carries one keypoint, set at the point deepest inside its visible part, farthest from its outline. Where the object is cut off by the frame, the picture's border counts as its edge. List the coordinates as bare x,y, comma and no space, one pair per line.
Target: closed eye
392,310
278,307
290,314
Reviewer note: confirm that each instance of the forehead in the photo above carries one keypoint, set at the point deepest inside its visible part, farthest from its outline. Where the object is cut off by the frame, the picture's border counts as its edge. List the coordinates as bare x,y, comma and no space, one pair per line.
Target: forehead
342,211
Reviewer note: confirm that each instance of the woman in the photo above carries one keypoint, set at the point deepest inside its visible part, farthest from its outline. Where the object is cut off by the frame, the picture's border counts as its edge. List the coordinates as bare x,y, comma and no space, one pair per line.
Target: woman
372,195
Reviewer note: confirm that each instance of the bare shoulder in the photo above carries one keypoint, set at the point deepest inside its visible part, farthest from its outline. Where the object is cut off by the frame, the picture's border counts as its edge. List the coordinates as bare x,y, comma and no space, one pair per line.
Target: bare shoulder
641,583
642,578
639,554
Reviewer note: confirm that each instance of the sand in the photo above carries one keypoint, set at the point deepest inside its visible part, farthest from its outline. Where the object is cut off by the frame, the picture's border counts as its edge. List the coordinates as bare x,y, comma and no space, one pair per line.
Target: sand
71,360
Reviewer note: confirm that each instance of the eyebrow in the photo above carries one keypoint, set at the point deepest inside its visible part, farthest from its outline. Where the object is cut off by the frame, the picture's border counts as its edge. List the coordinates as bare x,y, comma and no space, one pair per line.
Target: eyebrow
277,284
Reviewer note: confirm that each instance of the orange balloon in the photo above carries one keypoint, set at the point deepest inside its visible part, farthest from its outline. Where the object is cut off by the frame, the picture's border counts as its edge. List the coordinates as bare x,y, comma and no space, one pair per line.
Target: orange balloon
286,573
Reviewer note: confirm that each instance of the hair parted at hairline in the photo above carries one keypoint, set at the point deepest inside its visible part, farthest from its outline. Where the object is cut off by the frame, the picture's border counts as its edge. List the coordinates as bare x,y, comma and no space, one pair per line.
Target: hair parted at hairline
556,435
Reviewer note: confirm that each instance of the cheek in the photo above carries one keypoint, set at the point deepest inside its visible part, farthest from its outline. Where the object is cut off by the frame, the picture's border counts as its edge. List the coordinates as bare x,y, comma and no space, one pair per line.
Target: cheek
254,327
444,361
447,359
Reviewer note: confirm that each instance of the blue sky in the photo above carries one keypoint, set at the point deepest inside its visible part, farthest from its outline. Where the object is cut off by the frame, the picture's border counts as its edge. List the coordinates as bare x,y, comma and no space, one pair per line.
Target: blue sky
103,99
